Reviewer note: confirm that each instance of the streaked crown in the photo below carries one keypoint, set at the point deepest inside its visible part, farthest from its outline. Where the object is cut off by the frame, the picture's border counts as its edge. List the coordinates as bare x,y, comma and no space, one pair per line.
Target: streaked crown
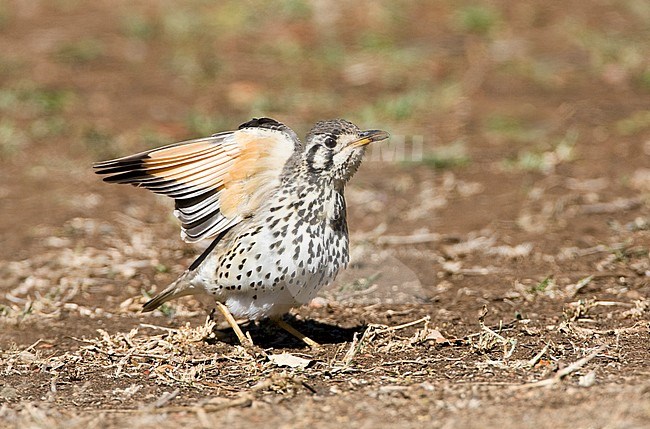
334,149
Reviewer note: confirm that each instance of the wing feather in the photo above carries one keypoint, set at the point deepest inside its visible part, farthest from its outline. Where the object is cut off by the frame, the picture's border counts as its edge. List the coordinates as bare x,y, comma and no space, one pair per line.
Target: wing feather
216,181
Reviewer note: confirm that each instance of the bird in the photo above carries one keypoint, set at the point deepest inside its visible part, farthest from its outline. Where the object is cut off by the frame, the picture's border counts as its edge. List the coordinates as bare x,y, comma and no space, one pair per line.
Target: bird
272,206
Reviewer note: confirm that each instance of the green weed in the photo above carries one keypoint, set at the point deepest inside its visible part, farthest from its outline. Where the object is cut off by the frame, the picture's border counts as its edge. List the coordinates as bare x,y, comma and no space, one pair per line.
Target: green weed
12,139
138,26
31,100
634,124
543,285
201,124
449,156
80,51
359,284
99,142
51,126
643,79
509,128
545,161
478,19
4,16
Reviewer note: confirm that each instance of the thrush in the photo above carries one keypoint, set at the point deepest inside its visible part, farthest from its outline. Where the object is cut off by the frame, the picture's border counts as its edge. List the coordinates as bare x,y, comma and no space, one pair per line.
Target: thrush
273,207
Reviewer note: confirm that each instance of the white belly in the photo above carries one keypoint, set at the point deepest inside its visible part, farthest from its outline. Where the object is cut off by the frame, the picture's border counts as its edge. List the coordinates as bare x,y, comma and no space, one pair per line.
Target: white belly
279,261
271,275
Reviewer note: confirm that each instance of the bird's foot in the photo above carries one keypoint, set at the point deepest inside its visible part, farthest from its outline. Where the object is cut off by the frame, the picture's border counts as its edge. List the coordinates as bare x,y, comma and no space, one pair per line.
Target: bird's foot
244,340
296,333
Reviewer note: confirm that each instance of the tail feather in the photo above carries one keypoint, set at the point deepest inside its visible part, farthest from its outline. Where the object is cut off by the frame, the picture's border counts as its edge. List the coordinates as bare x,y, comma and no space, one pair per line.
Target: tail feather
180,287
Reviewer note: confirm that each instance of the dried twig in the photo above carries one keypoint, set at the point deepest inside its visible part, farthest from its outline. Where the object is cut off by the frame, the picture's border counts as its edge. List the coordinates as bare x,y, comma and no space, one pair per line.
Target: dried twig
409,239
164,328
531,363
601,303
618,205
404,325
370,333
564,371
573,289
352,351
165,399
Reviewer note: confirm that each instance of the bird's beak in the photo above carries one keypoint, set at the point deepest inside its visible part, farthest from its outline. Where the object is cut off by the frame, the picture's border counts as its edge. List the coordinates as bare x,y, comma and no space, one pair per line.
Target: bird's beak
369,136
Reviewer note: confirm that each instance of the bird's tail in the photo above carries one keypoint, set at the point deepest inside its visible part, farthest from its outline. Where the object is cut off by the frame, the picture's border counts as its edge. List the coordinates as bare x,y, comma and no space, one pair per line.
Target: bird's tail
180,287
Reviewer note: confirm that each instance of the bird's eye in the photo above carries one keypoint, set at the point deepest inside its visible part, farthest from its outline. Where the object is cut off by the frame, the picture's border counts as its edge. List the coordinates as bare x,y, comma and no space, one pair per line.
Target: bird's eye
330,142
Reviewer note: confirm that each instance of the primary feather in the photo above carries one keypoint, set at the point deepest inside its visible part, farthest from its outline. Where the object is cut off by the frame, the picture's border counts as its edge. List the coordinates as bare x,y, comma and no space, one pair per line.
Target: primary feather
216,181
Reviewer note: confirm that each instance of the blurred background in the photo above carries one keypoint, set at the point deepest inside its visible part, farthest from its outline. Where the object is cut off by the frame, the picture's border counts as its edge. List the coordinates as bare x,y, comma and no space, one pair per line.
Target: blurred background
519,112
517,181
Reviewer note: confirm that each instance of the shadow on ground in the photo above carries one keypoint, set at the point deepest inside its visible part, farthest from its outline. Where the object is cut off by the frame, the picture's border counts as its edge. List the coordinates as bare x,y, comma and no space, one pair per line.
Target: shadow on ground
266,334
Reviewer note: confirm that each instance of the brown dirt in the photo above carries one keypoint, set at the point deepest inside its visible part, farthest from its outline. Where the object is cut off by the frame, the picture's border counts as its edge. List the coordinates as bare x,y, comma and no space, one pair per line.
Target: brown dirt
528,308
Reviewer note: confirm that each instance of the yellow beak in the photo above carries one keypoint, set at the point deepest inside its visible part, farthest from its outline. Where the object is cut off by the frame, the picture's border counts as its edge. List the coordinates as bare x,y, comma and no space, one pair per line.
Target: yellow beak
369,136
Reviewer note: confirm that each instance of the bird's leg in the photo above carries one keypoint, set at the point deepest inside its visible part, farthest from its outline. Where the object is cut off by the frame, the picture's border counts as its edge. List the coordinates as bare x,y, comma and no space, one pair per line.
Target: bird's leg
296,333
243,339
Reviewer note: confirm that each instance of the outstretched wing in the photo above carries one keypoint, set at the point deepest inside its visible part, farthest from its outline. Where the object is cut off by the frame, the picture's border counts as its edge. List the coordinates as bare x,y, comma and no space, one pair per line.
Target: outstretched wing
216,181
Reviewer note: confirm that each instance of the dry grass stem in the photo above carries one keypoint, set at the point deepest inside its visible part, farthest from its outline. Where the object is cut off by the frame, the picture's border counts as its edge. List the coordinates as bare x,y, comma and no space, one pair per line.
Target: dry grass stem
564,371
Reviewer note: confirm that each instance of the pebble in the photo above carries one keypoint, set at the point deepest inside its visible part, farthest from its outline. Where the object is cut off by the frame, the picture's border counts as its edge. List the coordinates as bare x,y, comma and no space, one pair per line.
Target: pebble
8,392
587,380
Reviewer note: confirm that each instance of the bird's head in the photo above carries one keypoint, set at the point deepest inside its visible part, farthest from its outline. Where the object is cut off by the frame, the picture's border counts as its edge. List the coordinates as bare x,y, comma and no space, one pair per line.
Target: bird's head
334,149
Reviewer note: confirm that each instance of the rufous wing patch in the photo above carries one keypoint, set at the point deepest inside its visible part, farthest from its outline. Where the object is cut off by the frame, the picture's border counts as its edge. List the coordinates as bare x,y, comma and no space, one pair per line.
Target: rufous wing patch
256,170
216,181
181,151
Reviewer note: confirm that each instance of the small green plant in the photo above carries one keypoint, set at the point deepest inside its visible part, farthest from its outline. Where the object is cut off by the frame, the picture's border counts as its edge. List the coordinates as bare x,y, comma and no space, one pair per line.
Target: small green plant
192,64
151,138
545,161
48,127
49,101
448,156
478,19
643,79
32,100
99,142
633,124
161,268
201,124
4,15
81,51
295,9
359,284
623,254
403,106
9,100
27,309
417,101
138,26
543,285
509,128
376,41
503,123
164,308
12,139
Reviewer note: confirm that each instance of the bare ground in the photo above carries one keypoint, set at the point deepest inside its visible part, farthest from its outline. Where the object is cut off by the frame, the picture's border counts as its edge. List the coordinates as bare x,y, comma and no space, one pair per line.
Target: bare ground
502,280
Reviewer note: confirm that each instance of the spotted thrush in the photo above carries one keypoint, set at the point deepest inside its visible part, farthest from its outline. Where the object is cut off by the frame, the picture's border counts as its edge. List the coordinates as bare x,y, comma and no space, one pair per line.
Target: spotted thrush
273,207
